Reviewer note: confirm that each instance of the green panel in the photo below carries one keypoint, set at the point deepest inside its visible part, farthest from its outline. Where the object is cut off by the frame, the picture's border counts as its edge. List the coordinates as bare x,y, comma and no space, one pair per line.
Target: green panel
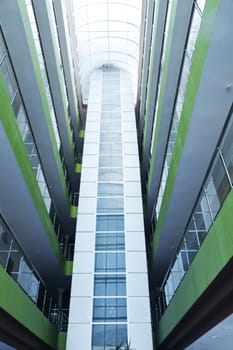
78,168
73,211
36,65
68,268
81,133
8,120
198,61
61,343
215,252
16,303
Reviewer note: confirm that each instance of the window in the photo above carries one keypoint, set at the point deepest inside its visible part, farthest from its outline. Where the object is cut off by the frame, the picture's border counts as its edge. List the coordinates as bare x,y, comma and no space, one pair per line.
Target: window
109,174
112,161
110,241
110,223
106,337
110,137
110,127
110,262
110,189
110,148
109,310
217,187
110,115
110,285
110,205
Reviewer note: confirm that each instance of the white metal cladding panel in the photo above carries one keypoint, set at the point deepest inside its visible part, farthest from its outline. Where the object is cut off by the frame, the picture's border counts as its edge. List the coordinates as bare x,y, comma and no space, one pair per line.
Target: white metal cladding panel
87,205
88,189
131,160
138,309
80,318
131,174
84,241
134,222
90,161
82,285
86,222
132,188
137,284
140,336
89,174
80,310
91,148
93,116
129,126
130,148
92,126
135,241
92,137
136,262
129,136
133,205
83,262
79,334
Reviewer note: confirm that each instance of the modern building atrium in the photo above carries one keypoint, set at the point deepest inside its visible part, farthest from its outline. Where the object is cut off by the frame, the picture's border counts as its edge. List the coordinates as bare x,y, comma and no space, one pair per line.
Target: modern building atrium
116,185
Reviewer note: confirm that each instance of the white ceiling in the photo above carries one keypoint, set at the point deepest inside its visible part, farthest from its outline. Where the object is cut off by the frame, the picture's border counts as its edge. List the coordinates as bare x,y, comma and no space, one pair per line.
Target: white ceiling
108,34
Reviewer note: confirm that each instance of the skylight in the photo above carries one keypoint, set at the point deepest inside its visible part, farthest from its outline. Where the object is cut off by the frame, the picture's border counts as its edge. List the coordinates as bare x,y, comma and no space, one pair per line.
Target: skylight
108,35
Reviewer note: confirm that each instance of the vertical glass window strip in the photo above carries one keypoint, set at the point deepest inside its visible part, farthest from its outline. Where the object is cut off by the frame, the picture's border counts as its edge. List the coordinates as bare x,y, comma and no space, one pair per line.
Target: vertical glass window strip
35,33
110,306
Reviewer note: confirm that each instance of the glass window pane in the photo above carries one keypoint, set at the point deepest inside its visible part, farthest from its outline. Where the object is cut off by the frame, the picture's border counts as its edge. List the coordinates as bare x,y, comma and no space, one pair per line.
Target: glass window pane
227,151
110,205
110,148
98,336
110,137
110,127
109,174
110,223
217,187
110,189
110,161
110,336
110,241
110,262
110,285
122,334
9,77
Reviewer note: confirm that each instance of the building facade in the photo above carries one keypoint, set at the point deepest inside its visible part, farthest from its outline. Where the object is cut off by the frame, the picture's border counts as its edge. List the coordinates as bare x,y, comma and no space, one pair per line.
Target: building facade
112,307
74,252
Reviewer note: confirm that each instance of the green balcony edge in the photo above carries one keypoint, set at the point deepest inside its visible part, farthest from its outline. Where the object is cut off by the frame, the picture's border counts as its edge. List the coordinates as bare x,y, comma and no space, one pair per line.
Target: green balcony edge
78,168
18,305
32,49
73,211
68,267
215,252
81,133
61,343
200,53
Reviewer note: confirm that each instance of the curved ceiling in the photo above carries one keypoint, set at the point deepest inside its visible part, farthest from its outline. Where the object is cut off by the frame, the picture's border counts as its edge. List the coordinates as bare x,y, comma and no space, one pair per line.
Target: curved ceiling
108,35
